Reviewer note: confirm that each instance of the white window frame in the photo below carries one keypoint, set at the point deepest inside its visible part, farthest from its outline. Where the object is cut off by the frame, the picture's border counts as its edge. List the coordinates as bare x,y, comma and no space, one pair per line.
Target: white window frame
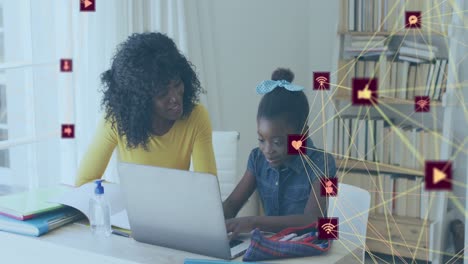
18,52
33,127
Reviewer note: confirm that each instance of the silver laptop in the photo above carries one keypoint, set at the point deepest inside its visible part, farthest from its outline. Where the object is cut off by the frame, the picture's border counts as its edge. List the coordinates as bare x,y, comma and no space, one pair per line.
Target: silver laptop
177,209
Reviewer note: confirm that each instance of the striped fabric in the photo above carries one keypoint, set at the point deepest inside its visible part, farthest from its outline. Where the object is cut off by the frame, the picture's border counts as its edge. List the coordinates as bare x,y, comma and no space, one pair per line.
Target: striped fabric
263,248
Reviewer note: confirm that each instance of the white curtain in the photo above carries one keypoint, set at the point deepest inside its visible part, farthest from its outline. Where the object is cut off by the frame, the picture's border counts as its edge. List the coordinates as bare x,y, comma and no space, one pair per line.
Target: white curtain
94,40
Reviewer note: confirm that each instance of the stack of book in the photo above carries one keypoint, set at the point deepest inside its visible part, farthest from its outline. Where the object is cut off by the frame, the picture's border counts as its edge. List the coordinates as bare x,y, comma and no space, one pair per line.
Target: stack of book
30,213
365,46
416,52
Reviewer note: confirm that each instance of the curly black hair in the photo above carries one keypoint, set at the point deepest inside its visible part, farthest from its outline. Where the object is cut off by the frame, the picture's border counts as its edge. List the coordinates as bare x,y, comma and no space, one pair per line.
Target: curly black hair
292,107
142,65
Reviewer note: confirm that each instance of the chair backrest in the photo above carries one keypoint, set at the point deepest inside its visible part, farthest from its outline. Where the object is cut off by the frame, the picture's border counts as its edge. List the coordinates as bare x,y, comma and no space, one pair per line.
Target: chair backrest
351,206
225,147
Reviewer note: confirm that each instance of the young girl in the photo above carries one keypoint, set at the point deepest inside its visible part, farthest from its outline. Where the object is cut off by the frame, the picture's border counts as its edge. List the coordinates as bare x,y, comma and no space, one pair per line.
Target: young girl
288,185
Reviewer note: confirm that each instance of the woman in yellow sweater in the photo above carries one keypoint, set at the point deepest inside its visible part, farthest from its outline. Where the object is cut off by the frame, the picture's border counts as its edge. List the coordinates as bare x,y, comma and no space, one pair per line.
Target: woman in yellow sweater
152,113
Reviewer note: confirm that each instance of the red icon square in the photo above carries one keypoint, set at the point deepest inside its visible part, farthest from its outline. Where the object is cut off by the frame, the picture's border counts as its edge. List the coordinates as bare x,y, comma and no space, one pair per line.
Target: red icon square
329,187
297,144
364,91
328,228
321,80
87,5
413,19
422,103
438,175
66,65
68,131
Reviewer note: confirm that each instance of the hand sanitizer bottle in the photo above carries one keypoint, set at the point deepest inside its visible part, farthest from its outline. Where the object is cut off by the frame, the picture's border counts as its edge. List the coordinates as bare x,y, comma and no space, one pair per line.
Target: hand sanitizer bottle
99,212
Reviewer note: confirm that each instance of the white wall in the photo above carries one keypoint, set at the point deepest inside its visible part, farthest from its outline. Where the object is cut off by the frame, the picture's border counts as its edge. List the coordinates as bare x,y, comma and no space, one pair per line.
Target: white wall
461,131
456,117
247,41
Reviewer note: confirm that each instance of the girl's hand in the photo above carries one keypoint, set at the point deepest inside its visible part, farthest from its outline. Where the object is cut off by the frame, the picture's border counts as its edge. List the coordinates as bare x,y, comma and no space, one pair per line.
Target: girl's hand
240,225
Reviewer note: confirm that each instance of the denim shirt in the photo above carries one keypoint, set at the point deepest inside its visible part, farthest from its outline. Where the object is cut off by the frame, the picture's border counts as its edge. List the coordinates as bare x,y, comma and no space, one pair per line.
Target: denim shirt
286,191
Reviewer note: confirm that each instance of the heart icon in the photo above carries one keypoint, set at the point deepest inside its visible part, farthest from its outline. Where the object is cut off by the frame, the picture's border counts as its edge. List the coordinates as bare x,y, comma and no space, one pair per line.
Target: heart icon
296,144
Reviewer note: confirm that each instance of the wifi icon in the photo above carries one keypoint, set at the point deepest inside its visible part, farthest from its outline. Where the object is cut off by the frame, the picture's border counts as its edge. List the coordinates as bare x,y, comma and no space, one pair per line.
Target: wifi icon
422,103
328,228
321,80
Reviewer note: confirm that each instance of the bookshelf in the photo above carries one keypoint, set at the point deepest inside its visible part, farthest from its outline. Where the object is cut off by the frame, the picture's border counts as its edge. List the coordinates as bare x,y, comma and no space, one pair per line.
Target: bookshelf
384,150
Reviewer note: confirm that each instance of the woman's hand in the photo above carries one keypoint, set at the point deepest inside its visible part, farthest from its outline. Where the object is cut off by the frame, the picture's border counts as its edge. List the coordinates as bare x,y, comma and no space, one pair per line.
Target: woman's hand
240,225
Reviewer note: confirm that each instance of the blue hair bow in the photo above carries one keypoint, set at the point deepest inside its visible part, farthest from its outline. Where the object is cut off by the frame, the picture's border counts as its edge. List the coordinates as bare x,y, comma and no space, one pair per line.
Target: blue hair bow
269,85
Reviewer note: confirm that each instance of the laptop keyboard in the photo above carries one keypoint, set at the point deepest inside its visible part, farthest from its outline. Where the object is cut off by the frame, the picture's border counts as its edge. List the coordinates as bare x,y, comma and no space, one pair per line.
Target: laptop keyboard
235,242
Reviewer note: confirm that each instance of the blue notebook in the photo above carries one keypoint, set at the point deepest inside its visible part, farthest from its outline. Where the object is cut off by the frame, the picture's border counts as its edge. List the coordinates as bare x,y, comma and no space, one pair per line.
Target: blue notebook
41,224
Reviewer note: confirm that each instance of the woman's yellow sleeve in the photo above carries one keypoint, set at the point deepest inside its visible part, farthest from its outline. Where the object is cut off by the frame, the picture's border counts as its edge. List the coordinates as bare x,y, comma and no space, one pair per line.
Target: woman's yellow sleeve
203,155
96,158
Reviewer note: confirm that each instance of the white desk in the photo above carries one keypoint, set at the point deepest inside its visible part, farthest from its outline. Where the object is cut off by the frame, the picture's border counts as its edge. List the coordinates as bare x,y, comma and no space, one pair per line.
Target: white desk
75,244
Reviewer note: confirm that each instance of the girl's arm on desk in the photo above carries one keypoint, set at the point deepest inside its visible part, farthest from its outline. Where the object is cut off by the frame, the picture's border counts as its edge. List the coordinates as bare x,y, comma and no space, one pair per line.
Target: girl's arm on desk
315,208
240,195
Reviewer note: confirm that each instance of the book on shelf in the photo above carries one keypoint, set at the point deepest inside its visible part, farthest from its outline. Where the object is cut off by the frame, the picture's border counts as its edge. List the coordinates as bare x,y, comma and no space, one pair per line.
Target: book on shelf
367,44
353,148
413,198
29,204
370,143
377,187
351,15
411,59
388,192
411,81
401,184
440,81
424,54
419,46
372,184
346,134
361,139
379,136
387,144
40,224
